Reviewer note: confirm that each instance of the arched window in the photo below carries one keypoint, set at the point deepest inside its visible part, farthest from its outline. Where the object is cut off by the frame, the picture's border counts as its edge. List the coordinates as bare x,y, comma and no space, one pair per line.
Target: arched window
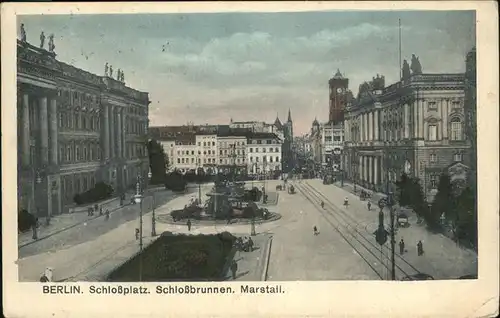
85,158
456,129
77,151
68,153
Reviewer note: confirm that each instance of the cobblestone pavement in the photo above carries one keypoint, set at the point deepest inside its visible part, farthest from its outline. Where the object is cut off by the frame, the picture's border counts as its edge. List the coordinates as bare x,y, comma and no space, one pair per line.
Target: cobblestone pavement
443,258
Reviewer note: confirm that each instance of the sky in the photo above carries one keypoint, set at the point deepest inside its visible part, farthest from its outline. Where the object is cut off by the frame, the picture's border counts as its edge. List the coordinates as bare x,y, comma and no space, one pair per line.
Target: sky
211,67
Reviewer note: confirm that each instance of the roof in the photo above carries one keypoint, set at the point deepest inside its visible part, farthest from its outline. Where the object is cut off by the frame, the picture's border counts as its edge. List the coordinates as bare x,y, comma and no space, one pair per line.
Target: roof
262,135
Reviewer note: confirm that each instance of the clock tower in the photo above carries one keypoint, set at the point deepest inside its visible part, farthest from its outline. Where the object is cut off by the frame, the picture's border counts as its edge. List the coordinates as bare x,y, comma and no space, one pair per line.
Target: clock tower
338,97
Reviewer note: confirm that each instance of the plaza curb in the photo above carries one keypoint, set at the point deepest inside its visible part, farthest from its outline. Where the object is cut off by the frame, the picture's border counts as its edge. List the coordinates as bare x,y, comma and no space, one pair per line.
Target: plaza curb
69,227
266,261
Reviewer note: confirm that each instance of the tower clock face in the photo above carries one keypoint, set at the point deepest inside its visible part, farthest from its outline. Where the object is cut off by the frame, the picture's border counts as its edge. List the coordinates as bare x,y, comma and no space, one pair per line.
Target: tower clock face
339,90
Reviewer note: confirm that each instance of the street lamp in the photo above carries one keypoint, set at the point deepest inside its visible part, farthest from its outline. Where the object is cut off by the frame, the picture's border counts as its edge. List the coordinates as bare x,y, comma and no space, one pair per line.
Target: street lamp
138,199
198,159
153,220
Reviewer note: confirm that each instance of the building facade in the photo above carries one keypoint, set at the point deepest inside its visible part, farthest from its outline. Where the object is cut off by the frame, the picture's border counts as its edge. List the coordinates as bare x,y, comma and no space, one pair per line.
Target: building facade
264,154
75,129
470,106
232,152
415,126
338,97
207,151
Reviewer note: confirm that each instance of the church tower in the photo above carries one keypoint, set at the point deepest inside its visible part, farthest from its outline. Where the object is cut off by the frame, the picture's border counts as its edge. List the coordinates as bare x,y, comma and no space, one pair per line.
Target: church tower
289,123
339,86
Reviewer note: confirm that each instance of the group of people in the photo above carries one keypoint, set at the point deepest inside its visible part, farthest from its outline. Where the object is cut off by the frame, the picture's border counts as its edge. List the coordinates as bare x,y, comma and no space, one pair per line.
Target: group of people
420,247
95,208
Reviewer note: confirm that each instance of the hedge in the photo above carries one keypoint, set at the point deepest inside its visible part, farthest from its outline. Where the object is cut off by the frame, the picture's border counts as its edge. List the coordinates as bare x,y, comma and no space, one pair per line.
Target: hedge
179,258
25,220
99,192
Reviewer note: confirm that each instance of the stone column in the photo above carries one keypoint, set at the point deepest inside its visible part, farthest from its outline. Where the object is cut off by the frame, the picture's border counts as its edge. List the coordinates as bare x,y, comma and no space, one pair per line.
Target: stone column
377,125
25,143
119,133
415,118
406,121
365,124
44,130
124,134
444,119
421,121
370,169
371,126
53,131
375,170
105,124
360,167
112,141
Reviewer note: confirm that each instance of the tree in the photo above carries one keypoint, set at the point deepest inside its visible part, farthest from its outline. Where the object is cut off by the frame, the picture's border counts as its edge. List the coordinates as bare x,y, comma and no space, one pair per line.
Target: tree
157,161
467,216
417,198
405,190
444,201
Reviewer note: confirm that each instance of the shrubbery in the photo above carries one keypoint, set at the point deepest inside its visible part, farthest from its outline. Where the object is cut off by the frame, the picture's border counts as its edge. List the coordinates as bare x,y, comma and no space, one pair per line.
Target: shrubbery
25,220
175,181
100,191
252,195
190,212
179,258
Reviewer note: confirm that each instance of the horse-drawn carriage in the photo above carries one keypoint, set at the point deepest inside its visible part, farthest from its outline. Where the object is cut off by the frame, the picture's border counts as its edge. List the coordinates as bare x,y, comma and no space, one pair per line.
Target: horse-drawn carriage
291,189
364,195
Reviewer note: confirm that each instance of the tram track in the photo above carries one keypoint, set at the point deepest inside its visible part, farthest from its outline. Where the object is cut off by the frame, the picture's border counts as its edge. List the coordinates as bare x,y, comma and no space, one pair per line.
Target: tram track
375,256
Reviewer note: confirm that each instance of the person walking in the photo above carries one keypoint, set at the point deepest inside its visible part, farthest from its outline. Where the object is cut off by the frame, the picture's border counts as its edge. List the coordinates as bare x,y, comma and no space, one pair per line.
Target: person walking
322,204
137,234
100,211
250,244
107,214
369,204
315,230
420,248
234,268
189,225
401,247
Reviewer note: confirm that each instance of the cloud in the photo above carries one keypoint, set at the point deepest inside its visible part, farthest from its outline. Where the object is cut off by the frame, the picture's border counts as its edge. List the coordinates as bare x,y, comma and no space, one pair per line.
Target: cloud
211,67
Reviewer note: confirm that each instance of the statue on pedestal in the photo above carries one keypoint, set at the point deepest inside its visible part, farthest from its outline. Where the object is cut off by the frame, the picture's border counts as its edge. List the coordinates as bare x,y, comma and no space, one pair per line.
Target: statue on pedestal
23,33
52,46
111,71
416,67
118,74
406,70
123,77
106,69
42,40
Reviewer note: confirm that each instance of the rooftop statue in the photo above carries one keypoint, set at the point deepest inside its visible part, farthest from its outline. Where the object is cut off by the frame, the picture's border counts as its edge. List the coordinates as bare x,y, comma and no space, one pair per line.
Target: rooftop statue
23,33
42,40
406,70
111,71
106,69
416,68
123,77
52,46
118,74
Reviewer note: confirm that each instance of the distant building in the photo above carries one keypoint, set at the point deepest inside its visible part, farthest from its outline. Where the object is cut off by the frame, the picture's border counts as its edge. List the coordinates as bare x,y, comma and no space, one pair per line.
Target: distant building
264,154
232,152
338,98
75,128
415,126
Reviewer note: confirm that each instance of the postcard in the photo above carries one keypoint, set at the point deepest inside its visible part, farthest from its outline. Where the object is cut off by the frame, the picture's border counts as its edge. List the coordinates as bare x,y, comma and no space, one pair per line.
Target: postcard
270,159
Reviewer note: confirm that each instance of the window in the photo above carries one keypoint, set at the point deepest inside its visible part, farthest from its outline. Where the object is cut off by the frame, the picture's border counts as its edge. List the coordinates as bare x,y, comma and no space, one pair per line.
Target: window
328,138
277,159
456,129
182,160
220,161
259,142
220,152
192,160
263,150
270,149
268,142
336,138
178,160
213,143
60,116
434,181
277,150
256,149
199,143
433,157
77,153
204,144
432,132
192,152
256,159
455,104
457,157
251,159
251,149
270,159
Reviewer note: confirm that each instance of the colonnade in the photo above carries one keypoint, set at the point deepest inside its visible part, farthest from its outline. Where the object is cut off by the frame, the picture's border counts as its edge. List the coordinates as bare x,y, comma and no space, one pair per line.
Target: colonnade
46,121
370,169
114,118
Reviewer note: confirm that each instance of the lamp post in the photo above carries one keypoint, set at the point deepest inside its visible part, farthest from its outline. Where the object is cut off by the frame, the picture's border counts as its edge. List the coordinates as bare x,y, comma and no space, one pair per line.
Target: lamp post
138,199
198,159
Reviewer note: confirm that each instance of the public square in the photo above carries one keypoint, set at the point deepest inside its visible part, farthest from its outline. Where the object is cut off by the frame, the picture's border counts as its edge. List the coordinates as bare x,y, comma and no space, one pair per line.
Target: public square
295,253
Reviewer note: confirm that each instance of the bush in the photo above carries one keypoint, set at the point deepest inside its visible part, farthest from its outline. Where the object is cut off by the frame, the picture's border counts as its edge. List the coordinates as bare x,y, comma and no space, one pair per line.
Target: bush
179,258
190,212
175,181
25,220
252,195
100,191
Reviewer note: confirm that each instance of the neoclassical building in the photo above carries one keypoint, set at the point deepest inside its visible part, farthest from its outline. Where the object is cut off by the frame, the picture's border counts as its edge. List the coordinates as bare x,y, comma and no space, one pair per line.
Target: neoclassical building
414,126
75,128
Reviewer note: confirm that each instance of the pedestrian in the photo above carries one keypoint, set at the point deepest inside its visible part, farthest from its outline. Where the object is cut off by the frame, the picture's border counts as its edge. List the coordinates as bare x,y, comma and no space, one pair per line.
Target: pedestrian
100,211
250,244
137,233
189,225
401,247
35,229
420,248
107,214
234,268
369,206
315,230
89,211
